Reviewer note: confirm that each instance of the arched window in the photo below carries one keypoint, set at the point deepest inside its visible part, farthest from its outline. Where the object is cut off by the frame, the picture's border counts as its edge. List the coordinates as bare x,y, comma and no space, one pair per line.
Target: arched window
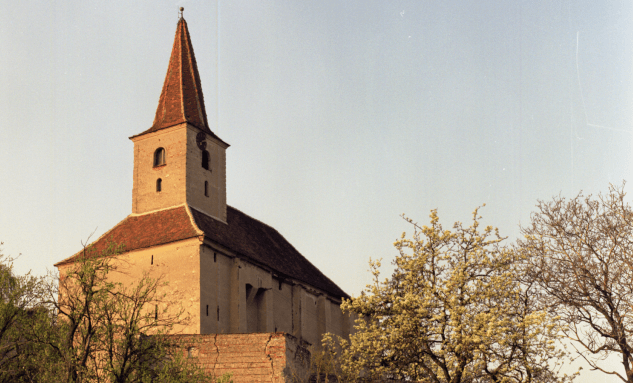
205,159
159,185
159,157
206,188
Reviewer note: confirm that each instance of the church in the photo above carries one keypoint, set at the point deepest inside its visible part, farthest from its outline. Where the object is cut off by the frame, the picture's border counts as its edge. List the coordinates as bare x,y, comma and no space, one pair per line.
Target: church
232,273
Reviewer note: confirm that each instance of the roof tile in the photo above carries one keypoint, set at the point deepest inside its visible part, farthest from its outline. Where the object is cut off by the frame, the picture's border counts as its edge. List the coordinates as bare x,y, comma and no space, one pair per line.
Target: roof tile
242,234
181,99
137,232
263,244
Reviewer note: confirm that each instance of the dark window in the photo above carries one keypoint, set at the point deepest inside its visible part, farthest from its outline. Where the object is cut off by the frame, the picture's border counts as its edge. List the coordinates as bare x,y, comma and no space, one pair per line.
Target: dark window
159,185
218,312
207,310
206,188
156,312
205,159
215,257
152,260
159,157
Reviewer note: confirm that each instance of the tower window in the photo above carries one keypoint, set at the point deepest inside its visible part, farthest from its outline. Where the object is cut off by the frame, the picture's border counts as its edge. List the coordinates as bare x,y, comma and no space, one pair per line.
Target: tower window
206,188
159,185
159,157
205,159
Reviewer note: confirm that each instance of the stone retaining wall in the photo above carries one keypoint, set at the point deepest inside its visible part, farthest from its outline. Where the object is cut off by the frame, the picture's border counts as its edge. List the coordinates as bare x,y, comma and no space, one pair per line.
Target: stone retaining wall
257,357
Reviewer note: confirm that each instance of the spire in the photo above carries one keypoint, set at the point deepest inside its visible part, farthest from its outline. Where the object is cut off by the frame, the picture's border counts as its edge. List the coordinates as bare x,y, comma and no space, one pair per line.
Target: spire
181,99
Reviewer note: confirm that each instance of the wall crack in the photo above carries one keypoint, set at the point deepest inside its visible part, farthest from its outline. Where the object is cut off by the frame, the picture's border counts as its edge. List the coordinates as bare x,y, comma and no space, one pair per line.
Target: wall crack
266,351
217,350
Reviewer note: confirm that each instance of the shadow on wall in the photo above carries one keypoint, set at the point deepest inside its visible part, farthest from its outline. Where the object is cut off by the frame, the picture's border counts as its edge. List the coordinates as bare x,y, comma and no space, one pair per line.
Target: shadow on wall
255,309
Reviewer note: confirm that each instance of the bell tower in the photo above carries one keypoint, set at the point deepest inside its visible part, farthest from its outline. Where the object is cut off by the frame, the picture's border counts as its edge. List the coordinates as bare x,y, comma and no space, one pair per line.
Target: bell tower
179,160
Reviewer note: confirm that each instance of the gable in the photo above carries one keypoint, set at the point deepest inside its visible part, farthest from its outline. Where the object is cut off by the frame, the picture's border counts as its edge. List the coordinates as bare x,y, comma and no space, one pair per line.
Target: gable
142,231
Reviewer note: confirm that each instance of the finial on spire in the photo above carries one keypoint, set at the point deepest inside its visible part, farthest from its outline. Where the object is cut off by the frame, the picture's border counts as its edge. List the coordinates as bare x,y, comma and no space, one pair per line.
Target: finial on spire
181,10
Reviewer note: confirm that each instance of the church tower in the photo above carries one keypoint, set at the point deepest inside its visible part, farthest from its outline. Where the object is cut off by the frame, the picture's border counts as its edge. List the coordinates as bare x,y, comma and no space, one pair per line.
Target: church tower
227,272
179,160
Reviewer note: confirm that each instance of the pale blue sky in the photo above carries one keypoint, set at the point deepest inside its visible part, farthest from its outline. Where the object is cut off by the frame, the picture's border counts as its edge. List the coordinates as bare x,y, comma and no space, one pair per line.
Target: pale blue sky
341,115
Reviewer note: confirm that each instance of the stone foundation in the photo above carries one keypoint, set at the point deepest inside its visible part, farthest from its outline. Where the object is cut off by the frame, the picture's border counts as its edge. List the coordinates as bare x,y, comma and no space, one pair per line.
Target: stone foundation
257,357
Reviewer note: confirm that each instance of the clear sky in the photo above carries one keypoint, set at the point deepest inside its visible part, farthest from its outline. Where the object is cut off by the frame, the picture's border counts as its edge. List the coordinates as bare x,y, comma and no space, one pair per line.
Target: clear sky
341,115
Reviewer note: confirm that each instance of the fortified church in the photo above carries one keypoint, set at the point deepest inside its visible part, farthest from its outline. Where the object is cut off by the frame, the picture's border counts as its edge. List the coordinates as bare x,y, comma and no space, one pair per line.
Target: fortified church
232,273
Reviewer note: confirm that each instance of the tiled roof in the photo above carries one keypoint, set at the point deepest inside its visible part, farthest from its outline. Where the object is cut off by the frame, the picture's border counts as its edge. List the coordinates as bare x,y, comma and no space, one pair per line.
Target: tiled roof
245,236
263,244
141,231
181,99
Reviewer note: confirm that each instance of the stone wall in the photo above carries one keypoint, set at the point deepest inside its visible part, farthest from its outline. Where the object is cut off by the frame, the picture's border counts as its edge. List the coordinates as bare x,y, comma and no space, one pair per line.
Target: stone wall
214,202
183,177
239,297
178,264
173,174
258,357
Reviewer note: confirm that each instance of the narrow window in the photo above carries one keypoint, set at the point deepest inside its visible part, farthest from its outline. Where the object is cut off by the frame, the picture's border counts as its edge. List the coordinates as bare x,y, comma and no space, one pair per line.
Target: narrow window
218,313
152,260
207,310
159,157
215,257
156,312
205,159
206,188
279,285
159,185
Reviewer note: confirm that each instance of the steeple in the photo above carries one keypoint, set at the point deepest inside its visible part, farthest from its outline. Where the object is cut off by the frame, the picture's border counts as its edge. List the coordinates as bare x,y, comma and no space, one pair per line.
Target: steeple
181,99
179,160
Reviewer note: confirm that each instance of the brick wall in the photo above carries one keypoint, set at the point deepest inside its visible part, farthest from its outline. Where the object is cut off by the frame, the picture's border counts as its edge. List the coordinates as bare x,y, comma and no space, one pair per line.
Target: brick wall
258,357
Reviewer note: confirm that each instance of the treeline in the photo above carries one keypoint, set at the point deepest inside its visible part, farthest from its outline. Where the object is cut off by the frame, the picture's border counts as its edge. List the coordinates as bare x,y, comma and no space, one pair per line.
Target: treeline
464,306
85,328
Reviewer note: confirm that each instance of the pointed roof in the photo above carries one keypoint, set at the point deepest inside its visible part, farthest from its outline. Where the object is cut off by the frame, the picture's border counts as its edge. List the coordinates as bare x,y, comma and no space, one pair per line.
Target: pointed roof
181,99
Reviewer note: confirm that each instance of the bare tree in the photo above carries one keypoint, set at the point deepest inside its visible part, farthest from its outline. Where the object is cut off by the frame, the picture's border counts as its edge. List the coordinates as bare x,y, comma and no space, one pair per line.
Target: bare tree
92,329
580,253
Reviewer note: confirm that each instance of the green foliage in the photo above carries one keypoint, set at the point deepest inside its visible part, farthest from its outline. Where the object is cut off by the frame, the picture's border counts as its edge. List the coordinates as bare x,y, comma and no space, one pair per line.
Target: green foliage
20,307
321,365
83,327
225,378
454,310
